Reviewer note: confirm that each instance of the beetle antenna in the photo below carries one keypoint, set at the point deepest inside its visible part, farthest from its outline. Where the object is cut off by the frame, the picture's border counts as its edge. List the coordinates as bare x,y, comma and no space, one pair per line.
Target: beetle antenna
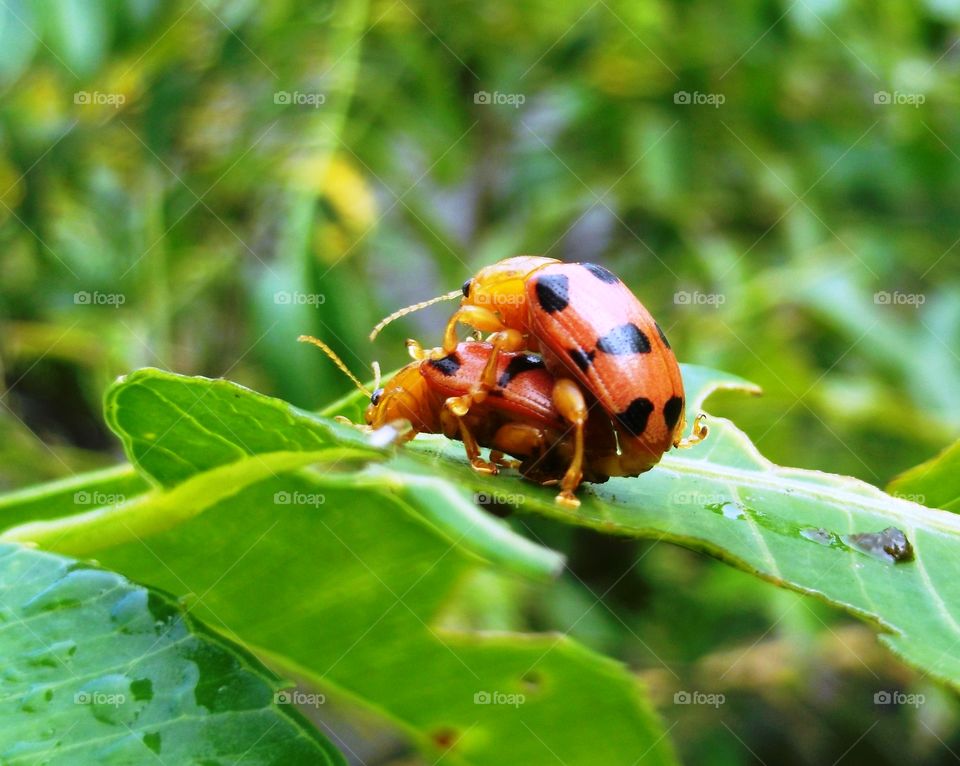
376,375
410,309
339,362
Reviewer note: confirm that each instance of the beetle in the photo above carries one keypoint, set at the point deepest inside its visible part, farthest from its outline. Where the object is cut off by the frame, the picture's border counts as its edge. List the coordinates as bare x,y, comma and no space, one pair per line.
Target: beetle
590,328
528,414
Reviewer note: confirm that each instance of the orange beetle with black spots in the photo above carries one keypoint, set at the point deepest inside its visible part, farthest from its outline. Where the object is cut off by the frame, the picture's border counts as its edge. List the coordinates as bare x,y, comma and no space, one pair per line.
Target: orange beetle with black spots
590,328
516,417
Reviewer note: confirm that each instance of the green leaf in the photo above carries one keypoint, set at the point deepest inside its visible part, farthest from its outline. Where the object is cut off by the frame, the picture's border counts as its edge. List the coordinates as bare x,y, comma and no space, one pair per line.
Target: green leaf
173,426
339,567
935,483
806,530
99,670
814,532
71,495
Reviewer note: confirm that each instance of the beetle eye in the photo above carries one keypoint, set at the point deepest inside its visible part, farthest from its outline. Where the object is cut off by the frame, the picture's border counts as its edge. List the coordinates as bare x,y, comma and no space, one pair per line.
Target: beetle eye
376,396
466,288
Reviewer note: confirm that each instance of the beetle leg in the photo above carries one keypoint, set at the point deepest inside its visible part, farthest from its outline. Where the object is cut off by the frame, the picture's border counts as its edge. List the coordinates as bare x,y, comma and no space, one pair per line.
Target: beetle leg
457,407
415,350
699,433
504,340
418,353
502,461
569,401
477,317
519,439
344,420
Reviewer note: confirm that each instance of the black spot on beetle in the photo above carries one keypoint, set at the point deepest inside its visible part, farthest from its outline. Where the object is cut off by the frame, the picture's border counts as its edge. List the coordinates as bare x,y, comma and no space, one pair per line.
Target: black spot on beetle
553,292
662,336
604,275
376,396
466,288
520,364
623,340
671,412
634,418
583,359
447,365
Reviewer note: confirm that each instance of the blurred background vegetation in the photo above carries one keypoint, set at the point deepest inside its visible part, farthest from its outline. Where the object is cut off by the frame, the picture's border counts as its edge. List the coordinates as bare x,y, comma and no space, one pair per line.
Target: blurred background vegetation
190,185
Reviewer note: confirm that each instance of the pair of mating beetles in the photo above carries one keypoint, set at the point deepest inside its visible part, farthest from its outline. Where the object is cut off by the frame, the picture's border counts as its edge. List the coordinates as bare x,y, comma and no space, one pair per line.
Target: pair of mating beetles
576,381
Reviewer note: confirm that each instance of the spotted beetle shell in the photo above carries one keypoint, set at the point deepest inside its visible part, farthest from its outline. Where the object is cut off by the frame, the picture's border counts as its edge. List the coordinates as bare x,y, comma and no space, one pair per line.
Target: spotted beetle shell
524,386
599,333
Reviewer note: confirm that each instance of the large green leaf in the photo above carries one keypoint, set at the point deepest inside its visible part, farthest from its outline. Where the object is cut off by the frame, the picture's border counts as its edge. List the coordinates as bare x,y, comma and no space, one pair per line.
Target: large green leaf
173,427
99,670
301,541
814,532
935,483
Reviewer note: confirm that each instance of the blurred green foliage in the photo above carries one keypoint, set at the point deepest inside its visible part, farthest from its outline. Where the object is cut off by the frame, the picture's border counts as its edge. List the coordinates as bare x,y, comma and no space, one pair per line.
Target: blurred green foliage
173,193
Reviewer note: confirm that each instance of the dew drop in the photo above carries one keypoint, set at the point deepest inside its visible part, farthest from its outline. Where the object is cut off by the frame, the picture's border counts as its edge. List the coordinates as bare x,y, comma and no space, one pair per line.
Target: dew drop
819,535
11,676
58,654
72,589
36,699
728,509
111,699
890,545
131,615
